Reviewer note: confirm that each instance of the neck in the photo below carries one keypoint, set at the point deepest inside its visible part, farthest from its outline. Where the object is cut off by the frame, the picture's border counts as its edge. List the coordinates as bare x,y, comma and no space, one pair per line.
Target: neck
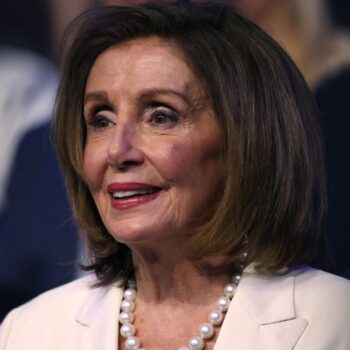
166,275
173,293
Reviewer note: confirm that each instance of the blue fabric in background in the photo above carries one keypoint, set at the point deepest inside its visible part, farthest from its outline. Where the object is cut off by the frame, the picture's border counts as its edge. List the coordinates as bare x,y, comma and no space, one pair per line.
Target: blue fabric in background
38,241
333,101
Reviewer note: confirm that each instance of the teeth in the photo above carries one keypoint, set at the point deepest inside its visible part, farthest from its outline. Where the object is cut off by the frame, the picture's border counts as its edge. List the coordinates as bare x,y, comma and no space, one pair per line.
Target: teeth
122,194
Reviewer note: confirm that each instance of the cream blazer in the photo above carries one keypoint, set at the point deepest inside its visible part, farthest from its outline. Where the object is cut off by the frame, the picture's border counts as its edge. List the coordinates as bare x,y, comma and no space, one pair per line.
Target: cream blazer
306,309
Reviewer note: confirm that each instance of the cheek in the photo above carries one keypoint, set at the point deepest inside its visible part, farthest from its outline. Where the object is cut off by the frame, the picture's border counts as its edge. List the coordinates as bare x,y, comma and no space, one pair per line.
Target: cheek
170,159
189,162
95,163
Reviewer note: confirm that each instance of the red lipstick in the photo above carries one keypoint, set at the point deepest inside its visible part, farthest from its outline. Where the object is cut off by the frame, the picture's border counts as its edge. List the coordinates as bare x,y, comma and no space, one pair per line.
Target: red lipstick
127,195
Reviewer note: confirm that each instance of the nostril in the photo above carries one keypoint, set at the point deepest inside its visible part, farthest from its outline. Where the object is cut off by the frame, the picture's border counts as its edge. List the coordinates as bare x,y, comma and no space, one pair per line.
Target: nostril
127,164
124,154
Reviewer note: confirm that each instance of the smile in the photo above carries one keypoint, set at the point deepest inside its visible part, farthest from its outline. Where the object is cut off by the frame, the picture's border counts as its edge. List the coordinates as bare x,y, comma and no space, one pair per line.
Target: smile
129,195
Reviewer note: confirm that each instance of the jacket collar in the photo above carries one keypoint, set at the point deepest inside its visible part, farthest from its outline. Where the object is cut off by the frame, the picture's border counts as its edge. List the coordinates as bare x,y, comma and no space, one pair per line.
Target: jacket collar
268,299
95,325
262,314
100,301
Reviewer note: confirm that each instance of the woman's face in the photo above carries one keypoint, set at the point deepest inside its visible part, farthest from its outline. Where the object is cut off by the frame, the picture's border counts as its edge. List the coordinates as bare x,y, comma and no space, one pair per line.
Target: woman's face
153,155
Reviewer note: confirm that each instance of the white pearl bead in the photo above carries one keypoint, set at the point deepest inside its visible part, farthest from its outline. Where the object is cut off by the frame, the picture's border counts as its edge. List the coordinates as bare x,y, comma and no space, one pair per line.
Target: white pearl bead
132,343
126,317
230,290
130,294
206,330
127,329
127,305
236,278
223,303
244,255
215,317
195,343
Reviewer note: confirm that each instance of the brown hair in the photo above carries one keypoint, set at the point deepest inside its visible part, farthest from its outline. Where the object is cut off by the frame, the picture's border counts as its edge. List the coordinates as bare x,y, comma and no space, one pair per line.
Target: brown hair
274,189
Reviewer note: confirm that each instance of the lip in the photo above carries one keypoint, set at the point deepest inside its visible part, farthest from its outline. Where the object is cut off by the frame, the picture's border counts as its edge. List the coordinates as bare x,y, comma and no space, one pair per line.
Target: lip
128,186
132,202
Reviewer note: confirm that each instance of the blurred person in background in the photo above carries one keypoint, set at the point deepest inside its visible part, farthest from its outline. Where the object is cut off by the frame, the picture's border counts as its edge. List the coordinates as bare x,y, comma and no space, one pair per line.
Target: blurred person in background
62,12
28,86
322,52
38,242
306,31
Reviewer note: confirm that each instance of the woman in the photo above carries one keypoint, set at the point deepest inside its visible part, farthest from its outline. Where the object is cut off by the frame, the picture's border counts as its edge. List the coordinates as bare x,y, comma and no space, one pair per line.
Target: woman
190,147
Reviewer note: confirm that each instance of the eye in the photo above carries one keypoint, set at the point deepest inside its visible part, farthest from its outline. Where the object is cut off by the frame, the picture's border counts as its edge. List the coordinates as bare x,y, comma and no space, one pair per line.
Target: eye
162,117
99,117
99,121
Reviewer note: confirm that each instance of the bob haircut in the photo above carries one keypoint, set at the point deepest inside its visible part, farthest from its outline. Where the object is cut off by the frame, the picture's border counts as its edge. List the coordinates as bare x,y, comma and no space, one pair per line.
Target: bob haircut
274,184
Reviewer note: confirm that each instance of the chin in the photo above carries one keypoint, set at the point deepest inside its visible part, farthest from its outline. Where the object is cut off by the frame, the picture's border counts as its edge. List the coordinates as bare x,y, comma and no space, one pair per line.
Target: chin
136,234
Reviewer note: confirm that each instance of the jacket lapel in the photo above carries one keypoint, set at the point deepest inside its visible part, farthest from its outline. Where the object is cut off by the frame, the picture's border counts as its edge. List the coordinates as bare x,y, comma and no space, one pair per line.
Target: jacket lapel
261,315
96,323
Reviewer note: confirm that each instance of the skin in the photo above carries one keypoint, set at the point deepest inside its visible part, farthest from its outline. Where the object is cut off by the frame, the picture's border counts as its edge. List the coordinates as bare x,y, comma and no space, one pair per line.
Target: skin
168,139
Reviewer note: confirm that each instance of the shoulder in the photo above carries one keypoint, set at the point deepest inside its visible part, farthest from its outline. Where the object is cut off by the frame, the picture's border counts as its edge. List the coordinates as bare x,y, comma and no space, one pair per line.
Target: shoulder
311,282
308,293
315,301
67,294
313,288
304,285
323,300
42,317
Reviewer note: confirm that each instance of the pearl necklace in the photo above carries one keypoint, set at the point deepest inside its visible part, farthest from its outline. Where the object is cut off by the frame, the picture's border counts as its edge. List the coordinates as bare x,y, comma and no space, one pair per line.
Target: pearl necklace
206,330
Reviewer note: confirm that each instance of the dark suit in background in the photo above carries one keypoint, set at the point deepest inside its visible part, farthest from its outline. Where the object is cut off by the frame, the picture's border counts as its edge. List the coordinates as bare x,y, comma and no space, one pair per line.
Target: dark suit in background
38,242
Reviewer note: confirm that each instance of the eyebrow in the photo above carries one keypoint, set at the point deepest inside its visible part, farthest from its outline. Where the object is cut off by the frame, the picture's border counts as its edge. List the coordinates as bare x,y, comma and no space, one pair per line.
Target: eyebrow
148,94
96,95
151,93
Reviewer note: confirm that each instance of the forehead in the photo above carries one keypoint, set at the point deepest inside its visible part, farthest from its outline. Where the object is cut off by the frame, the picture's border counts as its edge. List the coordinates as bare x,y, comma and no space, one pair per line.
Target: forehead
143,63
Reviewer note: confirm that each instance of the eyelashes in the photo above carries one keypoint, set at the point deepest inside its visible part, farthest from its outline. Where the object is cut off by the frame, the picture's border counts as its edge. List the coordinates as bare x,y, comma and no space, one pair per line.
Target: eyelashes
164,117
102,116
99,121
97,117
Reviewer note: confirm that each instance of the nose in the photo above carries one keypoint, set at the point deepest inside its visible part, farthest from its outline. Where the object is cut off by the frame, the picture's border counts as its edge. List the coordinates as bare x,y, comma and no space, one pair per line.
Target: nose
124,151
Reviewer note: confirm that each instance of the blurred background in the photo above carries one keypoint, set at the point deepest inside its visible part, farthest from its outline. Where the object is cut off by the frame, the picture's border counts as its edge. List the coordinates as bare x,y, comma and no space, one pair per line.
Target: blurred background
39,244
